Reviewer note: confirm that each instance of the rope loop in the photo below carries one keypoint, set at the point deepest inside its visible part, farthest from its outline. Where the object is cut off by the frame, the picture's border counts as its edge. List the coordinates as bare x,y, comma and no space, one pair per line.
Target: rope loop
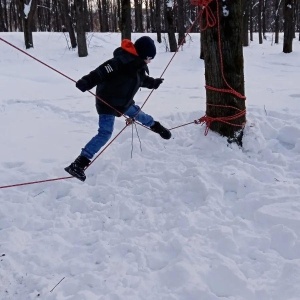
205,14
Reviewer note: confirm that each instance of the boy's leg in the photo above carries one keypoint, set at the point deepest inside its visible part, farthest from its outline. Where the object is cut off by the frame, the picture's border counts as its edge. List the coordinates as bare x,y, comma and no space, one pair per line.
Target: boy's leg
135,112
106,127
147,120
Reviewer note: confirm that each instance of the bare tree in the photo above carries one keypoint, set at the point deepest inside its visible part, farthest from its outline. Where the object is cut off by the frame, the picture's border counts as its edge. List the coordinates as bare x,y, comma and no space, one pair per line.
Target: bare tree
28,8
158,20
138,14
3,16
125,22
224,70
80,28
170,26
103,11
289,28
246,9
68,22
259,21
180,22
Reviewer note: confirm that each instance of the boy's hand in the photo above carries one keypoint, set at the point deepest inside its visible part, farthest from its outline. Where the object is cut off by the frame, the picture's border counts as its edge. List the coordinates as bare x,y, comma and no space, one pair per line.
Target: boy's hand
157,82
82,85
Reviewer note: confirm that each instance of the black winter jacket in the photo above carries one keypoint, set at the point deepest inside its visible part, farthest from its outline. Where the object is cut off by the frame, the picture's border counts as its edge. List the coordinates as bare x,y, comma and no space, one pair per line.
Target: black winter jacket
118,79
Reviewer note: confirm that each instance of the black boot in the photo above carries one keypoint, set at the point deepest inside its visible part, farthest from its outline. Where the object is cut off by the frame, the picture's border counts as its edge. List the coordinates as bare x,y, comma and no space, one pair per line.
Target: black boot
161,130
77,167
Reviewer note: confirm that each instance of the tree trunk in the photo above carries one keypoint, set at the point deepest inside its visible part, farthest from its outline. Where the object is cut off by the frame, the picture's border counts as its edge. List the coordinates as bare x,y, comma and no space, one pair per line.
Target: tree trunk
158,20
68,22
277,21
225,75
259,21
170,25
251,21
264,26
180,22
3,16
289,30
138,15
125,24
246,7
28,8
104,17
80,28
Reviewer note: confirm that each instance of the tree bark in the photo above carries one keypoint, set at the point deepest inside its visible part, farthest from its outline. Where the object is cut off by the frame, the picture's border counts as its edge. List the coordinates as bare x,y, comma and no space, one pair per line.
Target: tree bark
68,23
158,20
125,24
180,22
28,8
276,21
169,16
226,74
80,28
138,15
289,30
246,8
259,21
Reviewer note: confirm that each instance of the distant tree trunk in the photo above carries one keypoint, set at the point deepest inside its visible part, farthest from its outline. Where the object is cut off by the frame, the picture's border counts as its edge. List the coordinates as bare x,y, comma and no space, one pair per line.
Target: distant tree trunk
2,25
80,28
289,30
251,21
276,21
158,20
138,16
259,21
103,10
180,22
68,23
169,16
148,16
3,16
151,16
28,8
125,23
264,26
246,7
225,74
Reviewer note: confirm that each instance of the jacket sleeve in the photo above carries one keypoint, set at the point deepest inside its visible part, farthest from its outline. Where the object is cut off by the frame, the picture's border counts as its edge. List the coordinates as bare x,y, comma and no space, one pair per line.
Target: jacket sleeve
101,73
148,82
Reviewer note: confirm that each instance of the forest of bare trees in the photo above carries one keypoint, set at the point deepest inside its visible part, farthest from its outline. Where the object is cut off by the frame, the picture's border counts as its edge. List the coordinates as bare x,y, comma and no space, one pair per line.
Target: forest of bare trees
260,16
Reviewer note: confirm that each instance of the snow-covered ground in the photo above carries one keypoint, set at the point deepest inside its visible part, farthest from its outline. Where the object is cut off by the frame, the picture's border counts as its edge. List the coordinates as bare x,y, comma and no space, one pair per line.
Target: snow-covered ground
192,218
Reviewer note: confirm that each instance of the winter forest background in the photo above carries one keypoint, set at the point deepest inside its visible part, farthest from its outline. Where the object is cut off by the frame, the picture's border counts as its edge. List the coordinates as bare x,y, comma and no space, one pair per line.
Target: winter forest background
152,16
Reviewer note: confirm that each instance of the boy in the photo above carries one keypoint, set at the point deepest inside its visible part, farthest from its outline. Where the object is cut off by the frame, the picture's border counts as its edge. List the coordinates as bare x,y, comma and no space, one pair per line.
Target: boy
117,80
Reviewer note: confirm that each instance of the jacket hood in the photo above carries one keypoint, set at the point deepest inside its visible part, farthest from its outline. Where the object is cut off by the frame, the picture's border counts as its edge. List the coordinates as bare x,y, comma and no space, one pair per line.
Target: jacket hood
128,46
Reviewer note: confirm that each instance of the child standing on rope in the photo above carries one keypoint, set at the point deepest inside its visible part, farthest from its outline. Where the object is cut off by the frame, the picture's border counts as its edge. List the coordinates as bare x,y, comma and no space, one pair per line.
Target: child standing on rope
117,80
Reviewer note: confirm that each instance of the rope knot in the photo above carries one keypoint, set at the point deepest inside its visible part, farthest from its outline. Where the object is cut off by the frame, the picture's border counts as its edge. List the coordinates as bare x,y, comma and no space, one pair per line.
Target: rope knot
129,121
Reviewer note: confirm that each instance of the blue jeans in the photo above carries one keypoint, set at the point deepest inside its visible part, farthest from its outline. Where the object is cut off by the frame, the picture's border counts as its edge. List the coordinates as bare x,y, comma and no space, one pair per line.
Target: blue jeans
106,127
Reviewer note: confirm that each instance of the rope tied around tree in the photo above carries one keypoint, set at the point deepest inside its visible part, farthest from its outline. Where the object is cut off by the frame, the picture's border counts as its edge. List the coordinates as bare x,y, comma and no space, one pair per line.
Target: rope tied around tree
210,21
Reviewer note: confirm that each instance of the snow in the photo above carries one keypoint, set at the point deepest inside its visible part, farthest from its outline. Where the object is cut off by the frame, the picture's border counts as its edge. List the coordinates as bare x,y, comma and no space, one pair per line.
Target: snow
27,8
186,219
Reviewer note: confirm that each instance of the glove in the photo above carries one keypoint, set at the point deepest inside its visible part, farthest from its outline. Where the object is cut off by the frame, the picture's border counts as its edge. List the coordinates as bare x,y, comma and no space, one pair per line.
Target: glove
82,85
157,82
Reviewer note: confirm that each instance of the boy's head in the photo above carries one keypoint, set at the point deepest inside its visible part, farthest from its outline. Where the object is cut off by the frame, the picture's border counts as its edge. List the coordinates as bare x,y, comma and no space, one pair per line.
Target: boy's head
145,48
